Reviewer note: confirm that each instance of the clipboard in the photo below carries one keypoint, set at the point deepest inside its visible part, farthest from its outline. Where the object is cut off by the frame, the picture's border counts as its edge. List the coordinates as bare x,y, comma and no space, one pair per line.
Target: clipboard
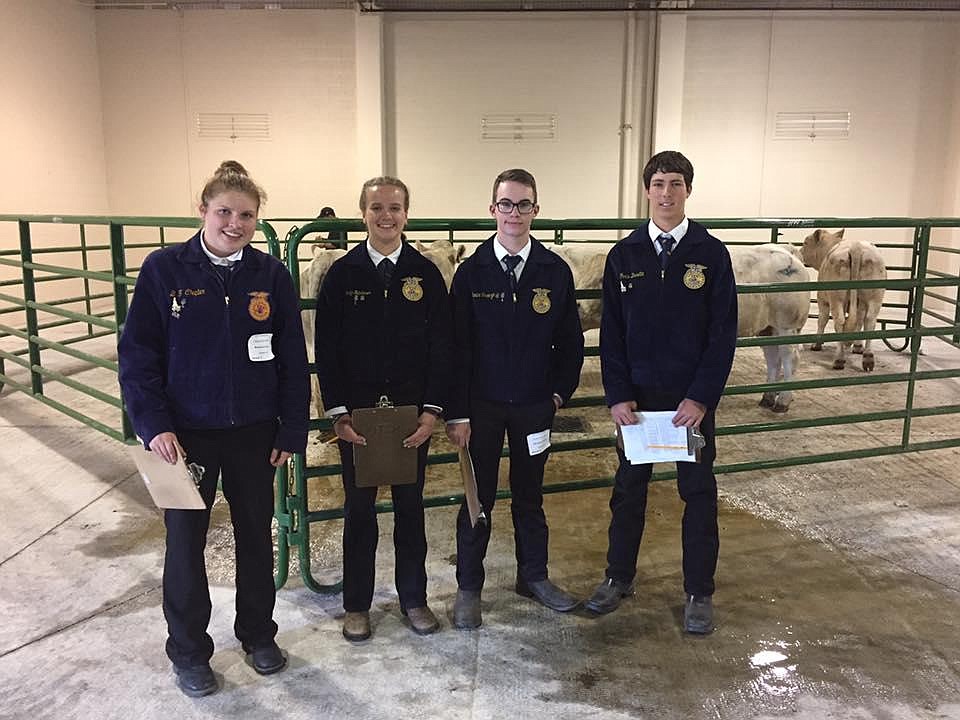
470,493
172,487
642,449
384,460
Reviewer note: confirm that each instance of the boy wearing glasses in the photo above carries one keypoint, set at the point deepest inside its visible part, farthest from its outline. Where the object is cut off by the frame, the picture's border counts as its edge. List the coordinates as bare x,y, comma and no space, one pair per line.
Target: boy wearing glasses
518,350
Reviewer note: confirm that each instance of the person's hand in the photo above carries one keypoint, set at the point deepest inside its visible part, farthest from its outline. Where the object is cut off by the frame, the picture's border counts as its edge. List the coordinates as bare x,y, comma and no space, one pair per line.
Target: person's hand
424,430
167,446
459,434
557,402
279,457
689,413
344,430
622,413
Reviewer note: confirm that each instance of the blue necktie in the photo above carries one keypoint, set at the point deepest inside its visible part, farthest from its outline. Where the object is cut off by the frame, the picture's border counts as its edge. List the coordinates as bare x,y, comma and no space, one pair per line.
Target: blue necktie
386,271
666,245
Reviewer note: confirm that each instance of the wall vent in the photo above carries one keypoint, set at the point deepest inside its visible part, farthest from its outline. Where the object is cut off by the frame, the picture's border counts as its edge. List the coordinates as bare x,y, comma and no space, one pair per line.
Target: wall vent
817,125
233,126
518,127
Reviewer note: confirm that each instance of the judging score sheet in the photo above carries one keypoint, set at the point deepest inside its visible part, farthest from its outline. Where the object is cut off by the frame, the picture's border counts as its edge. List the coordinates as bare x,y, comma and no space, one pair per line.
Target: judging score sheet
654,439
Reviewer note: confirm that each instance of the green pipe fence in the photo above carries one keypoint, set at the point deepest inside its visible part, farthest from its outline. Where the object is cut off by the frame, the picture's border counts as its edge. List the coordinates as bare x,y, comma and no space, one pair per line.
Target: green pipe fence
903,329
57,326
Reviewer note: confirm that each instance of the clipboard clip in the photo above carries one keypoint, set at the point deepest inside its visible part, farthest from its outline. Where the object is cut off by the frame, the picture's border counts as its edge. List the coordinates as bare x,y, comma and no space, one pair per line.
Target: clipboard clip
695,441
384,402
196,471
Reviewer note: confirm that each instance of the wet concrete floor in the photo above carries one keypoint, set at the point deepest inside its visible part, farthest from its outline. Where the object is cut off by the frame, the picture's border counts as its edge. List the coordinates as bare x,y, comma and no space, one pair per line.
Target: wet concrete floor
837,593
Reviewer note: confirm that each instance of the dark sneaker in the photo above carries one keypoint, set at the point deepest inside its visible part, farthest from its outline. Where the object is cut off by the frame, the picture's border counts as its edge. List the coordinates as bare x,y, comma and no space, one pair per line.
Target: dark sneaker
547,594
698,615
466,610
606,598
196,680
267,659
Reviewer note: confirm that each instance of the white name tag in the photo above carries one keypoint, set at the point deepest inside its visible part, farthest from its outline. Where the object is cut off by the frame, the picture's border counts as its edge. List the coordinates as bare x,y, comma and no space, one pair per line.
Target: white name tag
260,347
538,442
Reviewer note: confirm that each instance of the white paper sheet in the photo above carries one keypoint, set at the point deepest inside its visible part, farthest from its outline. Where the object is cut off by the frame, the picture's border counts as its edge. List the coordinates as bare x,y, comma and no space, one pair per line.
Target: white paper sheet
538,442
260,347
655,439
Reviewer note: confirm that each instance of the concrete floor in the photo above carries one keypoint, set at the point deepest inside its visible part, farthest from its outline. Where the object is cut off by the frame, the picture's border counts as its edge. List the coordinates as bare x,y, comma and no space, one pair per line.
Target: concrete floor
838,597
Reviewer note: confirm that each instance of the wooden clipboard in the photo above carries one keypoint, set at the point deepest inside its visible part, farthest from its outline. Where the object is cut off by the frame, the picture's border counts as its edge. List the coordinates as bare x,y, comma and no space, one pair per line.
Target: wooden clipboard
384,460
172,487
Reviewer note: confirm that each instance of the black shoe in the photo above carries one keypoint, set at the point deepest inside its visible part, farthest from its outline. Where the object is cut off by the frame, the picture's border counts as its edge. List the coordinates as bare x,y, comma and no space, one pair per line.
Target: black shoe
267,659
547,594
606,598
466,610
698,615
197,680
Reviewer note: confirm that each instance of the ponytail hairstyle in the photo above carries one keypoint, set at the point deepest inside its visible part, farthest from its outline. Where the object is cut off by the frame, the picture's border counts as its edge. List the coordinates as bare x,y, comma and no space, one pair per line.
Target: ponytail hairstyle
231,175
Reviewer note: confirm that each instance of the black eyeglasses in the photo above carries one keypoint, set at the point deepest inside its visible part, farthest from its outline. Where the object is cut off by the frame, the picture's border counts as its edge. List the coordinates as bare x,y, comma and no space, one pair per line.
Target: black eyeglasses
524,207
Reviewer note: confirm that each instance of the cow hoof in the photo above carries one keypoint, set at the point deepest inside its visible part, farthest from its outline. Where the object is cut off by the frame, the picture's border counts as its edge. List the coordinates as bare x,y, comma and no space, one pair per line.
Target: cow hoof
839,364
816,347
778,408
868,363
766,402
858,349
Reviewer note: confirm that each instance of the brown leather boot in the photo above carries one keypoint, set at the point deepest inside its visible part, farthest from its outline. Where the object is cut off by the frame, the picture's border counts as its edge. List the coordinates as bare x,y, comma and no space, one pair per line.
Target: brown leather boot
422,620
356,626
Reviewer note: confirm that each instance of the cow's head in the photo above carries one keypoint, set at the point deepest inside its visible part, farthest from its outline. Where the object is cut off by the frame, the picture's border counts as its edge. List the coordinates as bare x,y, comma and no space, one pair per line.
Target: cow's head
816,246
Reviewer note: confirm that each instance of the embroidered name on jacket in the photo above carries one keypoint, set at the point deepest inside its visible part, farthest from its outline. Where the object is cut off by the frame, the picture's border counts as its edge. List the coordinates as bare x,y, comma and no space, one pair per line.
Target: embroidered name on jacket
488,296
178,299
358,295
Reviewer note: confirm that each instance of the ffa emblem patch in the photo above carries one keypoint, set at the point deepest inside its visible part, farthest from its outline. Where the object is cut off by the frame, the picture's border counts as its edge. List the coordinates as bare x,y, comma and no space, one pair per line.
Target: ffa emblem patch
694,278
541,301
411,289
259,307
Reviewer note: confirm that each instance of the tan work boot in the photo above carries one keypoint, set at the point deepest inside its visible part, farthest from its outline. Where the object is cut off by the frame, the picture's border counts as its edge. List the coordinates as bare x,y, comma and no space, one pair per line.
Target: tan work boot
422,620
466,610
356,626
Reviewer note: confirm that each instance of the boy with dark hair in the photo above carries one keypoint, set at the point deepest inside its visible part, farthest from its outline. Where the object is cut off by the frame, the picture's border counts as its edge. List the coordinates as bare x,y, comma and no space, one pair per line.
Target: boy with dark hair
671,284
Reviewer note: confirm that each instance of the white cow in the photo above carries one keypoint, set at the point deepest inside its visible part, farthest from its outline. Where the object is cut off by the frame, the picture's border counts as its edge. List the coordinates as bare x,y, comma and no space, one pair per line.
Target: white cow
772,313
441,253
586,261
853,310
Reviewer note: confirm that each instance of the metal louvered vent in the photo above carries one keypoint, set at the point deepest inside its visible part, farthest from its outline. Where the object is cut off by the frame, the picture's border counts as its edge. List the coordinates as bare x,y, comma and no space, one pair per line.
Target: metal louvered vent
648,5
233,126
518,127
826,125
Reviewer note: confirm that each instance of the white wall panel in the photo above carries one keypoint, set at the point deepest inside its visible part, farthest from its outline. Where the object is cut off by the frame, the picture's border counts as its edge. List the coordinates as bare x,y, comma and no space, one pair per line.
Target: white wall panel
444,74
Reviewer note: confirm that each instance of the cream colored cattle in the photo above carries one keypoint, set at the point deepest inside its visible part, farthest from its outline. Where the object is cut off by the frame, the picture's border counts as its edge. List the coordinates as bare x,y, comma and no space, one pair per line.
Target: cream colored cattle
586,261
853,310
772,313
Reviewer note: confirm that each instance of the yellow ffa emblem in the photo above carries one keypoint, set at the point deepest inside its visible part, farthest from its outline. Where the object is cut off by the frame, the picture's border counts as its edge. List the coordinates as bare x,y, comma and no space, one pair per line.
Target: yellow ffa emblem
259,307
411,289
694,278
541,301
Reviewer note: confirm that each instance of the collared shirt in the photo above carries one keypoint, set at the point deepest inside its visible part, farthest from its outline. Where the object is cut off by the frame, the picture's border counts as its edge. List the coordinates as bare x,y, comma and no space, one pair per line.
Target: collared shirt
376,257
501,252
677,233
216,259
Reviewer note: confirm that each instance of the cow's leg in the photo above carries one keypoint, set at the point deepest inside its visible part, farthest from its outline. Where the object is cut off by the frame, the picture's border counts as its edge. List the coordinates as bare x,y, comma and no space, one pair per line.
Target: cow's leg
861,317
823,315
789,357
839,322
869,324
771,353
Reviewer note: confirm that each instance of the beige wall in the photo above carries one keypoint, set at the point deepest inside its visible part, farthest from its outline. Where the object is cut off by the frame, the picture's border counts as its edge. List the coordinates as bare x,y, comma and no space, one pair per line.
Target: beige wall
299,67
51,132
445,73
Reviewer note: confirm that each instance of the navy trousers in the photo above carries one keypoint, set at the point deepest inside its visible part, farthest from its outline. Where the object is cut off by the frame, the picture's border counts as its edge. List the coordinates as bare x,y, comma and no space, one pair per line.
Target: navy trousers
361,533
240,457
697,486
488,423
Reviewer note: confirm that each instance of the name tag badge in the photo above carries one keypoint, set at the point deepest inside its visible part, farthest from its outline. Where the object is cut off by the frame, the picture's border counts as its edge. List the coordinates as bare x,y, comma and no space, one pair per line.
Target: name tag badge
260,347
538,442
